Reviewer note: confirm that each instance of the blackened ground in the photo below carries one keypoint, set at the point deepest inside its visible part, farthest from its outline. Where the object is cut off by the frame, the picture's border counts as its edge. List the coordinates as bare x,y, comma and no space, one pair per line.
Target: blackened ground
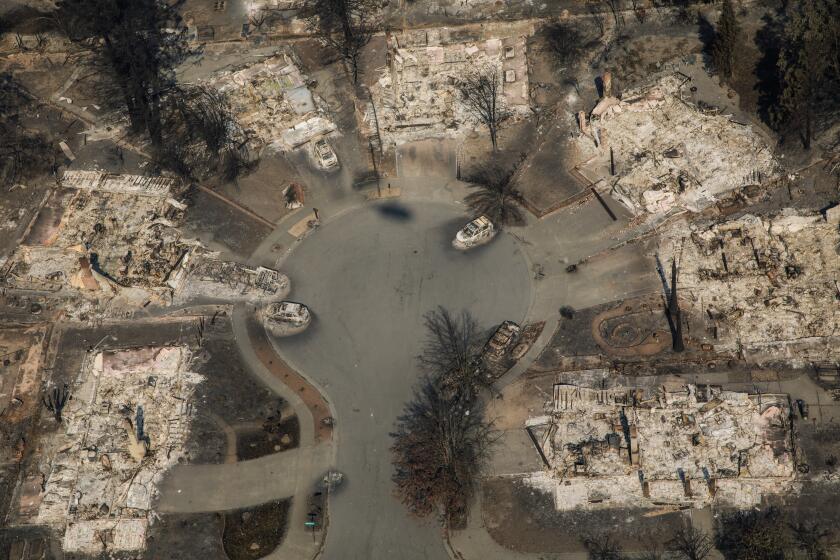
22,543
254,532
180,536
228,397
820,446
573,337
271,438
223,227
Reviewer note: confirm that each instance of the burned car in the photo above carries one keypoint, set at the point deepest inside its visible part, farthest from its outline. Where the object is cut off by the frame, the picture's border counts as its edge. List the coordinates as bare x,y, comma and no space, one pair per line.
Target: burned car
325,154
286,318
496,355
477,232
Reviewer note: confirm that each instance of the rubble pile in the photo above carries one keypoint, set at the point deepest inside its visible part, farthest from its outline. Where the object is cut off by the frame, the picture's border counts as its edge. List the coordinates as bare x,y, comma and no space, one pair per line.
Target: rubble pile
471,9
684,446
124,427
110,244
232,281
766,286
102,235
670,154
272,101
416,96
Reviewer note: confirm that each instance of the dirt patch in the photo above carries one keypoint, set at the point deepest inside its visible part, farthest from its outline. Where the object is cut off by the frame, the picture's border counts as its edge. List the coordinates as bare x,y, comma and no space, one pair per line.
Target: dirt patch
185,536
229,393
573,337
272,438
262,191
254,532
222,226
632,59
524,519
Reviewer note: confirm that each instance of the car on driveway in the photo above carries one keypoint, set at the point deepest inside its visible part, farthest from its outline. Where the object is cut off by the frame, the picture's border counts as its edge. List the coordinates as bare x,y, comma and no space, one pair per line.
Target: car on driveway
325,154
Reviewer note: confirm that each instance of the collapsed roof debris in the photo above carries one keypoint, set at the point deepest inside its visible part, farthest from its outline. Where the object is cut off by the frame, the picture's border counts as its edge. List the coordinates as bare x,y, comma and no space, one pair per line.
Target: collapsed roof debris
112,243
767,287
124,428
670,154
271,99
232,281
684,446
416,97
102,236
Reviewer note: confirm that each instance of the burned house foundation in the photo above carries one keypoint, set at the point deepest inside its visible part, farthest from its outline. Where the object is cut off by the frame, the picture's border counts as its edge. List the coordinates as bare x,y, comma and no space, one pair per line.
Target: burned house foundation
678,446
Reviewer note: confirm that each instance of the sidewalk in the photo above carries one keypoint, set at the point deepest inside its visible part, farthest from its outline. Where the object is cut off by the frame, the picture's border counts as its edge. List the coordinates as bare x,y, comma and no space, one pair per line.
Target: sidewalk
317,442
293,473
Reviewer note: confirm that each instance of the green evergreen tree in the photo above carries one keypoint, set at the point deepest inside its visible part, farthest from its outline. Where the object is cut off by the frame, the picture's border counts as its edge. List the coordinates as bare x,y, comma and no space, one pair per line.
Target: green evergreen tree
727,41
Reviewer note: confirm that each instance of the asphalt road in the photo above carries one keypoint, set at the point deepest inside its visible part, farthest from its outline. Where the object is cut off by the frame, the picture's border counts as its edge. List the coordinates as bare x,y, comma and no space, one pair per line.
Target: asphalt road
369,276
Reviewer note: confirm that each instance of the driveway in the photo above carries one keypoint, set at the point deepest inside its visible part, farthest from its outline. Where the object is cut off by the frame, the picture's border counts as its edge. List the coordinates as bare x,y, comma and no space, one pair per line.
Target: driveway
369,275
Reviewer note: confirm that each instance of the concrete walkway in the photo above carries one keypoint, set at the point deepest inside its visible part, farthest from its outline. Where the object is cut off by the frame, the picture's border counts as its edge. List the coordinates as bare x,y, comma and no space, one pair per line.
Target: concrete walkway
298,543
289,474
202,488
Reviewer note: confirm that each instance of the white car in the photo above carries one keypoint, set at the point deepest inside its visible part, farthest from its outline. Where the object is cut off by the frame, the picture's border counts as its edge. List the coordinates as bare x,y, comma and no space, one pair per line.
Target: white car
325,154
477,232
286,318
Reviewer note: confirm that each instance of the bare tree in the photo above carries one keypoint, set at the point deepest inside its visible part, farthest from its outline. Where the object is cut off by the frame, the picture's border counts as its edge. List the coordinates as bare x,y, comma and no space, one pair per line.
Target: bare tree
439,451
482,95
618,16
201,136
345,26
257,18
810,538
55,400
689,543
754,535
602,547
24,154
451,353
495,195
639,10
566,42
597,16
137,46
